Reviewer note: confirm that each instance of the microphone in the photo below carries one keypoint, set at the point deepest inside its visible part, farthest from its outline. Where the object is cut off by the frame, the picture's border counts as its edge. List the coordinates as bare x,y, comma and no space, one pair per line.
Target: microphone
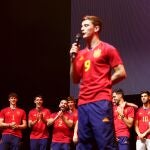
77,40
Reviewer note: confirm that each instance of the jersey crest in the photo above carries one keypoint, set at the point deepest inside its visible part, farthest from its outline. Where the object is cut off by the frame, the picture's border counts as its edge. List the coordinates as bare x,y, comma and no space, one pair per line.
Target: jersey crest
97,53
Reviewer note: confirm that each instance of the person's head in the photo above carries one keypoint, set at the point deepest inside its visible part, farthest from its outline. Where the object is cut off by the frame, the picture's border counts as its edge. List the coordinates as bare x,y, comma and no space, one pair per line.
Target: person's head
38,100
145,97
117,96
13,98
63,105
90,25
71,103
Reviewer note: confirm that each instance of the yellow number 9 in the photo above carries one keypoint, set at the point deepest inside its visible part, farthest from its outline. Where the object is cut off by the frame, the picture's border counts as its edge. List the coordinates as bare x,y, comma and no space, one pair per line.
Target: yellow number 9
87,65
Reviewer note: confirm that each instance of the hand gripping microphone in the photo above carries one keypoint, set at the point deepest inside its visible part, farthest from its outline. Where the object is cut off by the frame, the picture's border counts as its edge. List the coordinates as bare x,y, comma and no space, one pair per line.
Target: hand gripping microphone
77,40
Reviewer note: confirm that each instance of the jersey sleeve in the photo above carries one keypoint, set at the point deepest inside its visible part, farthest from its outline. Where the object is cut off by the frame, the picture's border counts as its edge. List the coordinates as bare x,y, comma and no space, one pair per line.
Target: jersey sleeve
114,57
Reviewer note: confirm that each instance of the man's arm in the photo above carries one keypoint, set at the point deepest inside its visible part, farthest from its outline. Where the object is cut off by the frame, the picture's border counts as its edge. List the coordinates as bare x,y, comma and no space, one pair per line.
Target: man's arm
21,126
75,135
132,105
67,121
127,120
32,123
146,132
119,74
13,125
51,120
137,129
73,72
141,135
125,103
3,124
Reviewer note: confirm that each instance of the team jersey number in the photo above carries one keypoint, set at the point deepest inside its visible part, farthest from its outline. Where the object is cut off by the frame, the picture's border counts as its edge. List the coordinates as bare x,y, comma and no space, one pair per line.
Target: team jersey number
87,65
60,123
145,119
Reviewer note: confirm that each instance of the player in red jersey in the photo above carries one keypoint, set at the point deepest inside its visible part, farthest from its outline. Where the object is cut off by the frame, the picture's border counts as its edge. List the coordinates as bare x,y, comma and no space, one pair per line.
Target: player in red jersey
72,108
92,68
37,121
12,122
142,123
62,123
74,113
123,119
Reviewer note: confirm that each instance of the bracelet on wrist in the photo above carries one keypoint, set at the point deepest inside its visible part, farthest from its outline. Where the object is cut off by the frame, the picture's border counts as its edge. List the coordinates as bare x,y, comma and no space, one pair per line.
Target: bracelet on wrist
122,116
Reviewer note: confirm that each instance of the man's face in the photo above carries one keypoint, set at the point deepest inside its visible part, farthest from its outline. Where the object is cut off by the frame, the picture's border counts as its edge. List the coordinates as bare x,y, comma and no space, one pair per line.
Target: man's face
38,102
63,105
116,98
144,98
71,104
13,100
88,29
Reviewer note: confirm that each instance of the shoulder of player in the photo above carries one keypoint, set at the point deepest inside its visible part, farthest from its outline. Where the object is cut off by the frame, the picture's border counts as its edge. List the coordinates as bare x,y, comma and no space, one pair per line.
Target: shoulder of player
20,109
46,110
140,109
33,110
5,109
129,107
107,45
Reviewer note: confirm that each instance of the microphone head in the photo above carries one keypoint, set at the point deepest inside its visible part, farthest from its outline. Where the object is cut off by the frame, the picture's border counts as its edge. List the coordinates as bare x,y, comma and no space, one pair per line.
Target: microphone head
78,35
77,38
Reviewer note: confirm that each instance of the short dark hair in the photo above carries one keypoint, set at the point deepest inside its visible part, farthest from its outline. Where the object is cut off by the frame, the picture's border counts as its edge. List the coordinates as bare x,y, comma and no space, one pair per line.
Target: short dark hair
13,94
63,99
119,91
70,98
39,95
147,92
95,20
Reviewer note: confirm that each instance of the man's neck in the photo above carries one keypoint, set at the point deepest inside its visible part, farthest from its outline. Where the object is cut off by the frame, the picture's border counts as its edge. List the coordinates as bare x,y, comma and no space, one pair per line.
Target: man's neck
146,106
39,108
92,43
72,110
121,103
13,106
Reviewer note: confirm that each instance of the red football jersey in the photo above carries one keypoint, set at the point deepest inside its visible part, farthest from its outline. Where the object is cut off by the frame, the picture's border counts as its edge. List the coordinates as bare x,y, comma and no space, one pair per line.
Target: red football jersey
61,132
94,69
143,117
13,115
39,130
121,128
74,115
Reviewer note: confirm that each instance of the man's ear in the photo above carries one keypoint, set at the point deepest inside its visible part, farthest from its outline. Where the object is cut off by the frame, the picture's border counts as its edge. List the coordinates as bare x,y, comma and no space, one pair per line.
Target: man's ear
97,28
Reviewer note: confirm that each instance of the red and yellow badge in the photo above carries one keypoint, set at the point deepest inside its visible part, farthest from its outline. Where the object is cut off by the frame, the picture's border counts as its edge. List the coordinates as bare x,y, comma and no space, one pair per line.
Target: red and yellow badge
97,53
18,113
81,58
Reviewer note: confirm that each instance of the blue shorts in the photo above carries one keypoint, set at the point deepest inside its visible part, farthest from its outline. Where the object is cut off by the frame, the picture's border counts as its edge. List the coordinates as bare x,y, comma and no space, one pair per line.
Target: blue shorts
9,141
38,144
96,123
123,143
60,146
